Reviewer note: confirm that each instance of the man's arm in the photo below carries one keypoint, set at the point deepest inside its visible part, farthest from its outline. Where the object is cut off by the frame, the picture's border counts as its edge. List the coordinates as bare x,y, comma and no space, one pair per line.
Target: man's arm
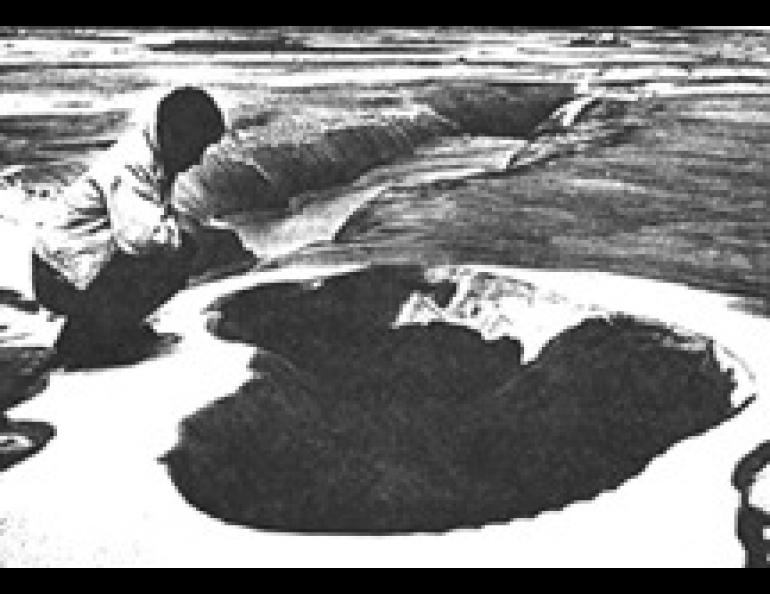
141,225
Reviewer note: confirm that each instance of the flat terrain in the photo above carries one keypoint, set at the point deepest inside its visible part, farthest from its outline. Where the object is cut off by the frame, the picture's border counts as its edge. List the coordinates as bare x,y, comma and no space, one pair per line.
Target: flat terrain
669,221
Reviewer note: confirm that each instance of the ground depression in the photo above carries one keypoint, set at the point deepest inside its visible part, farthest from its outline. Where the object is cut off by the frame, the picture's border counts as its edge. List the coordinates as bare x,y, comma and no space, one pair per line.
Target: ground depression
355,424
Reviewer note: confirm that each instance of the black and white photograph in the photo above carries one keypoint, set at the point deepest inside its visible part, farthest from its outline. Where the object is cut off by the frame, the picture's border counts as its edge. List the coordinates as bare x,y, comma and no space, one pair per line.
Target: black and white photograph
384,297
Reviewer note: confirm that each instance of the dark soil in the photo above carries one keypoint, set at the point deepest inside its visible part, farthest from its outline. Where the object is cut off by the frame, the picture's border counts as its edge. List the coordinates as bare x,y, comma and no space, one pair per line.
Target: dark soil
350,426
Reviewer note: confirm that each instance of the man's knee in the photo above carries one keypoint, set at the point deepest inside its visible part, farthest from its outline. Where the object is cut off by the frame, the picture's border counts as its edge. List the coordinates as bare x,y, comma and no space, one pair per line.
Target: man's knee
127,290
135,287
190,246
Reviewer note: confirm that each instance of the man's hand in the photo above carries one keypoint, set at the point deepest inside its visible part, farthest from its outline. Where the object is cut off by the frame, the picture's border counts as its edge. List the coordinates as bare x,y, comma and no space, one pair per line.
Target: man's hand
189,225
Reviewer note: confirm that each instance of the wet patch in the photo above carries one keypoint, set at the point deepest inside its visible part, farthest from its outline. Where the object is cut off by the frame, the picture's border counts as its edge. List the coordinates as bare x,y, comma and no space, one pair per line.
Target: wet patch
24,373
274,42
21,440
750,479
350,425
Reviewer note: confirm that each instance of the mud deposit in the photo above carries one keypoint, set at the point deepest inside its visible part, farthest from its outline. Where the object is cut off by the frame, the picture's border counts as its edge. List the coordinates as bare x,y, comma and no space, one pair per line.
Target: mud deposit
351,426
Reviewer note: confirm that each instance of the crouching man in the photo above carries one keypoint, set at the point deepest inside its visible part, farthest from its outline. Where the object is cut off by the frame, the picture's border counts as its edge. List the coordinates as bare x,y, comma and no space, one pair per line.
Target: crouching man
119,249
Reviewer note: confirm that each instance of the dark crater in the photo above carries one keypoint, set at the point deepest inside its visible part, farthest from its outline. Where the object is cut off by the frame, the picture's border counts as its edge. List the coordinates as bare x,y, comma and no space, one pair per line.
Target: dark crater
350,426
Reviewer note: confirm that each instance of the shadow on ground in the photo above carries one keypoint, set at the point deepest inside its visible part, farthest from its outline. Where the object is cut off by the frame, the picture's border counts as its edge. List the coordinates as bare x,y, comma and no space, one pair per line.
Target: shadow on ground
349,426
24,370
24,373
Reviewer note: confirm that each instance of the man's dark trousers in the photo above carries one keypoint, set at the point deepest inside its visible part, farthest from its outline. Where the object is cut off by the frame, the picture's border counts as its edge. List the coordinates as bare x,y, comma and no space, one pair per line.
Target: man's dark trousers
118,301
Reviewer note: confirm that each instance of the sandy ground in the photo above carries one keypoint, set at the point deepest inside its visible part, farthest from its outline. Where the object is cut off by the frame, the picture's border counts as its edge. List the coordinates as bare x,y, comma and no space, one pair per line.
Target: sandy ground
97,495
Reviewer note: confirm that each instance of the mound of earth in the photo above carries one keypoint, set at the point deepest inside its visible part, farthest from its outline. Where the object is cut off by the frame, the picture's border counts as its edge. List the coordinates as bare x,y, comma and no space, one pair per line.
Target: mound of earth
360,421
264,166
